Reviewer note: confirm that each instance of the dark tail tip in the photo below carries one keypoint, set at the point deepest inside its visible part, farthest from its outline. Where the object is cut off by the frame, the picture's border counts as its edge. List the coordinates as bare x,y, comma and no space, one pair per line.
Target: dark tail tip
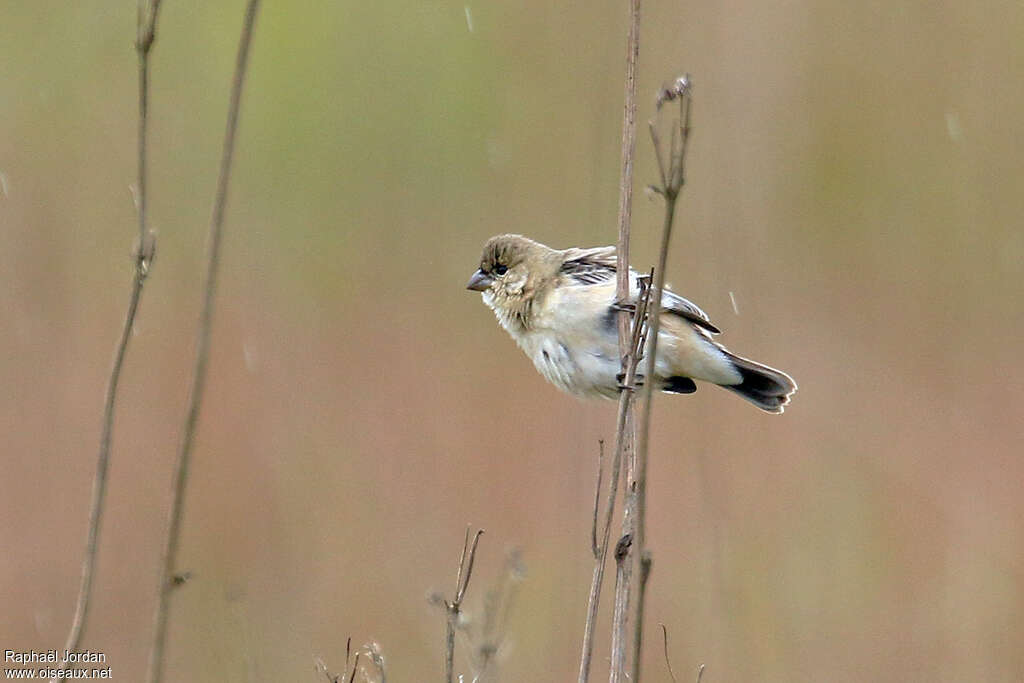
679,385
767,388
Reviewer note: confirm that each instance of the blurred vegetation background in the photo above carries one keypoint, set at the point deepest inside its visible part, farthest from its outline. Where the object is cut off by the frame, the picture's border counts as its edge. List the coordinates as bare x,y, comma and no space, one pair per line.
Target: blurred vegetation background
855,183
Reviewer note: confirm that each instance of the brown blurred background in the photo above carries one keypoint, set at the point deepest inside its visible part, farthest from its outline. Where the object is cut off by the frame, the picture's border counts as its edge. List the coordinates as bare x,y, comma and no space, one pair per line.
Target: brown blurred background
855,181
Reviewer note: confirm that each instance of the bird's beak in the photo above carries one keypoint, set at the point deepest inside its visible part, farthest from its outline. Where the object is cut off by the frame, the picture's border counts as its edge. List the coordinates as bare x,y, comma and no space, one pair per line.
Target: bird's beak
479,282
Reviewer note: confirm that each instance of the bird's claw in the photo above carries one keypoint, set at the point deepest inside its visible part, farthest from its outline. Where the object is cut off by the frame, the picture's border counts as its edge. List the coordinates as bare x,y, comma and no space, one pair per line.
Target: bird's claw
623,306
638,381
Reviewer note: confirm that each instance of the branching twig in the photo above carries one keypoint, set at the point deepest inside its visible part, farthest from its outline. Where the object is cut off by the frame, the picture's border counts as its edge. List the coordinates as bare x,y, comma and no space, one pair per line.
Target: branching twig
143,255
484,633
454,606
601,550
348,674
635,503
170,551
675,178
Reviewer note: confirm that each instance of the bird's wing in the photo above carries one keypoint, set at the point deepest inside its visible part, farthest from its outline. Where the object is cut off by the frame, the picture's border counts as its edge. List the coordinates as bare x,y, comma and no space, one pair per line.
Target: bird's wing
597,266
684,308
589,266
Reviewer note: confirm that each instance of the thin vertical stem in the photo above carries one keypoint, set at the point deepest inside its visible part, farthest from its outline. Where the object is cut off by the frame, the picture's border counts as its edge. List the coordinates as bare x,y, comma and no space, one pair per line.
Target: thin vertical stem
143,257
676,178
143,44
170,552
670,191
602,552
640,482
626,176
638,626
637,337
453,608
620,614
624,432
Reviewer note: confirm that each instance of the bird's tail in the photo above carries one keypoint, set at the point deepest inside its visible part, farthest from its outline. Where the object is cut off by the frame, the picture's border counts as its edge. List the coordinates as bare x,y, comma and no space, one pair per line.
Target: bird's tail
767,388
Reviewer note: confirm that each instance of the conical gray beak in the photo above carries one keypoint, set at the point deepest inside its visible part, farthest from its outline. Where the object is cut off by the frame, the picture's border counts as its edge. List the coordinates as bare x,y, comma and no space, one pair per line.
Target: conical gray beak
479,282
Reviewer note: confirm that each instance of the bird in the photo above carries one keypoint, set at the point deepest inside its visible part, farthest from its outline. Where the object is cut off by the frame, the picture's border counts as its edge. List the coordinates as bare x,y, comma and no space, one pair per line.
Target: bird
560,307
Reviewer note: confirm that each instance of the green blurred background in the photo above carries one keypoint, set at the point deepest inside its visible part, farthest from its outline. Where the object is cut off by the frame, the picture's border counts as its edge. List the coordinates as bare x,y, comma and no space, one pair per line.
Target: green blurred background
856,181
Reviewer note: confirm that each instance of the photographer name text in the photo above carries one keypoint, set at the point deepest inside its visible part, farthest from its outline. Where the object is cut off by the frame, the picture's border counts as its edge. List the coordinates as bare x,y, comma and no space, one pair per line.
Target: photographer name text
51,656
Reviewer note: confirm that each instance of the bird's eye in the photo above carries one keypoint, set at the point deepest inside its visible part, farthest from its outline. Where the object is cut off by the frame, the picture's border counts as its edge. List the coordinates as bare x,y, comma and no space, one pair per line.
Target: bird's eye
500,269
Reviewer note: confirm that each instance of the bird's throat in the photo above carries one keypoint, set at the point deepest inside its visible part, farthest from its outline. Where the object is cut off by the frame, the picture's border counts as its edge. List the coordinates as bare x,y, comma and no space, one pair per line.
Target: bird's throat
513,315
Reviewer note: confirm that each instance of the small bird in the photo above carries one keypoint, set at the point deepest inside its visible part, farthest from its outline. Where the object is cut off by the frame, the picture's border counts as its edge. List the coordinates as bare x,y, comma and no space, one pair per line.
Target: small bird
560,308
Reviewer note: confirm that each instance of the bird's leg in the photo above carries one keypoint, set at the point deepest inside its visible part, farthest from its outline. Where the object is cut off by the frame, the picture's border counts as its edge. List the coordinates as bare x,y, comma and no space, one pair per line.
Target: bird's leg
638,381
619,305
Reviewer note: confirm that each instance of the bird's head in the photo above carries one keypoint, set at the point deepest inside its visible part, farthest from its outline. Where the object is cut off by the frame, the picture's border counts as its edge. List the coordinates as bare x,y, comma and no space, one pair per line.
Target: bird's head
513,270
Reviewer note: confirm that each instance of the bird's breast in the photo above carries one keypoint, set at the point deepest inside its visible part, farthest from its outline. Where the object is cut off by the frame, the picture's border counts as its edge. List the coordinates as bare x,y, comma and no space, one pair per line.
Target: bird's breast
552,358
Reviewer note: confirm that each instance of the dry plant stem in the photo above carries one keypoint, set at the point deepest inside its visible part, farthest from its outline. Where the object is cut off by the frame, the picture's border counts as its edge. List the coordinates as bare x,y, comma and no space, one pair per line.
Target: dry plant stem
143,44
635,500
620,614
623,554
635,514
370,650
99,486
627,439
594,547
636,342
671,673
143,256
449,652
624,432
625,405
673,180
626,176
638,625
355,668
454,606
668,663
170,552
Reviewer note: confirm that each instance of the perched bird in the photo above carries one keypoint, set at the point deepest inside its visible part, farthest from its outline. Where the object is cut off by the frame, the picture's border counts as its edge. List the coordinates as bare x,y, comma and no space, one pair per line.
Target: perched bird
560,307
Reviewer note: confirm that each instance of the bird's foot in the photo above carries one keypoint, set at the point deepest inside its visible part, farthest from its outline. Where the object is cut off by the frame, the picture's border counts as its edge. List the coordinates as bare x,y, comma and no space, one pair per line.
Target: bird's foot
638,381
